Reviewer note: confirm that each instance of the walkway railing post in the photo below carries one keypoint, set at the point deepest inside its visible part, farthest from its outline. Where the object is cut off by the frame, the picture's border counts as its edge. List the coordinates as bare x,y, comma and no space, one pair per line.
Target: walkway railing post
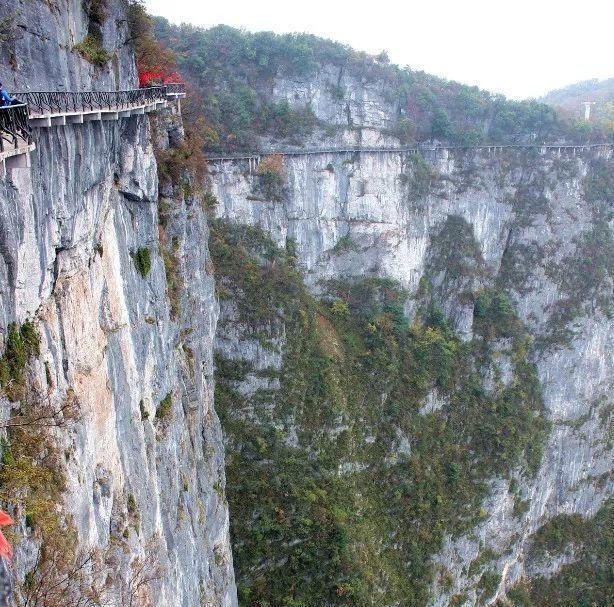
14,126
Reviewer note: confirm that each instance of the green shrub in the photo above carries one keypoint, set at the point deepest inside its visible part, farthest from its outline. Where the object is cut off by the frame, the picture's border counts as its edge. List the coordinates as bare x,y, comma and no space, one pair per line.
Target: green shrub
519,596
291,251
271,178
32,478
132,505
282,120
405,130
419,178
174,282
494,316
353,368
521,507
142,260
340,308
344,244
558,533
583,279
587,580
599,181
22,344
165,408
91,49
183,165
441,126
210,201
488,584
455,256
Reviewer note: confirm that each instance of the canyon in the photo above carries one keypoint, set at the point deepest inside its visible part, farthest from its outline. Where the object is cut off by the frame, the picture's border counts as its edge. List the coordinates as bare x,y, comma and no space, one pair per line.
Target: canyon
410,354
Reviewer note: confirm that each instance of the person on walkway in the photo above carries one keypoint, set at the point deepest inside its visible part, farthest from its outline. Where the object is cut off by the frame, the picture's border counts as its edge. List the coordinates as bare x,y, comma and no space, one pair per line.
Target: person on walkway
5,98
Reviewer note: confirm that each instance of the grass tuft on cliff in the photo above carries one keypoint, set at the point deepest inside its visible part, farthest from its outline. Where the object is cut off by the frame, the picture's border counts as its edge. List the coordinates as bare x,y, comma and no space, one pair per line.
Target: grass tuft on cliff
142,261
22,344
91,49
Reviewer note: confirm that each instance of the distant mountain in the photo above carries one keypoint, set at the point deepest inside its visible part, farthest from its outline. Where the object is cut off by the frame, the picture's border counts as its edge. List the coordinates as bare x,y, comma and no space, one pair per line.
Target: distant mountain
298,89
571,98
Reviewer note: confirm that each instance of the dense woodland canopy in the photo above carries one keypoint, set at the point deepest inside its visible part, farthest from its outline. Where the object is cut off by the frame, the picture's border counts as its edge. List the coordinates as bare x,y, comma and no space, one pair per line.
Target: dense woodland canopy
303,534
232,73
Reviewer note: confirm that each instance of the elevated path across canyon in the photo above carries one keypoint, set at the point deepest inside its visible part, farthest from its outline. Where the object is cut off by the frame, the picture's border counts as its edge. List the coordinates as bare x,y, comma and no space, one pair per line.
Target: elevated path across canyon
45,109
254,158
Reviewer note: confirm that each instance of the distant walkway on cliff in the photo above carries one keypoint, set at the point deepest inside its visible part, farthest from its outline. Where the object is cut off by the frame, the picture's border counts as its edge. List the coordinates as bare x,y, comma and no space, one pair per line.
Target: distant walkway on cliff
46,109
420,149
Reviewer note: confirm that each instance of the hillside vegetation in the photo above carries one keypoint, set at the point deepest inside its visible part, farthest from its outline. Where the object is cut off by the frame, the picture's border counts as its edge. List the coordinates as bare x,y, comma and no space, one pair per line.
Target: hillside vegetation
234,76
570,101
341,485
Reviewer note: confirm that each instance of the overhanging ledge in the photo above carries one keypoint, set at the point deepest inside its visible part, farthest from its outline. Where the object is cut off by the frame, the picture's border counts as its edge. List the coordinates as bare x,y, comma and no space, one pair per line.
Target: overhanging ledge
15,158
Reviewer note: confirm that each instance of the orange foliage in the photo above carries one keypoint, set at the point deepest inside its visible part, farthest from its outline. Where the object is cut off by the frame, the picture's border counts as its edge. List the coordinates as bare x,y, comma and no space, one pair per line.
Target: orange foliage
272,164
155,62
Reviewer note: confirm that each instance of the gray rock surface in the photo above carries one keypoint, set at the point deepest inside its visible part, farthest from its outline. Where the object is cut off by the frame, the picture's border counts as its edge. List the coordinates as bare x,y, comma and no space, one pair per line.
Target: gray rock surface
39,54
145,491
151,489
371,199
68,227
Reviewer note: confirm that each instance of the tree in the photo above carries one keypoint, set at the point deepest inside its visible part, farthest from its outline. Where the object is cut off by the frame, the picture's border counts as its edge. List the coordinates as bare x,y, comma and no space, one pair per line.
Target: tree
155,62
441,127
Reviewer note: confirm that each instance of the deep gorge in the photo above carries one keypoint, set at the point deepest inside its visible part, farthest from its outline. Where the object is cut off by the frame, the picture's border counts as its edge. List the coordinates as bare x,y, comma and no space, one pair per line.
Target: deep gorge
335,379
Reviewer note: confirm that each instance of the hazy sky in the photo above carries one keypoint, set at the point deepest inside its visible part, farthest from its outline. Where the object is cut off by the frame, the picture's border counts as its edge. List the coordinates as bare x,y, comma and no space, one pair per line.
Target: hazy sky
522,48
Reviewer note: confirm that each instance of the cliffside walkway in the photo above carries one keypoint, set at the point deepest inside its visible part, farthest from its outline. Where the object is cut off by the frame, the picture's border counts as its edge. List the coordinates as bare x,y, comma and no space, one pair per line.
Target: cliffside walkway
57,108
254,157
45,109
15,135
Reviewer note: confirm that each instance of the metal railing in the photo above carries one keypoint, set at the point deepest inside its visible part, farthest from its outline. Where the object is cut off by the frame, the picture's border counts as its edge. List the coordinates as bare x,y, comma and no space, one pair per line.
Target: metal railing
217,157
175,88
60,102
15,132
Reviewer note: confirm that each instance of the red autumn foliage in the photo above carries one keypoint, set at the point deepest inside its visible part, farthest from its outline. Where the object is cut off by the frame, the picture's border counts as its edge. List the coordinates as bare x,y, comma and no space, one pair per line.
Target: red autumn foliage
152,78
5,548
172,78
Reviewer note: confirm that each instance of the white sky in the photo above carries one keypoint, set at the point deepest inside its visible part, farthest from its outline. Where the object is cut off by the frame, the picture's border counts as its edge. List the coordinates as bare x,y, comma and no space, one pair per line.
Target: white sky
522,48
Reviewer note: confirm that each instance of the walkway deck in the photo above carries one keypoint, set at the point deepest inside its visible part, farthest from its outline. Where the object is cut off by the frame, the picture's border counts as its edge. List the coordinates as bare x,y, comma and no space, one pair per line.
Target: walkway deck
53,108
403,150
45,109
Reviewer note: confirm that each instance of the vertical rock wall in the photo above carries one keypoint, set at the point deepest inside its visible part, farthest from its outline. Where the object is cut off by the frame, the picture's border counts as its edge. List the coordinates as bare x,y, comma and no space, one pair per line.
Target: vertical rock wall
82,255
534,218
38,49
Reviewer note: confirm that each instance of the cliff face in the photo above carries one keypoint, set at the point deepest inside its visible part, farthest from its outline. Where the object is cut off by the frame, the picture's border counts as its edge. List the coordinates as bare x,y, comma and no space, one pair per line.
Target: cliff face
411,365
39,39
117,477
349,108
448,229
